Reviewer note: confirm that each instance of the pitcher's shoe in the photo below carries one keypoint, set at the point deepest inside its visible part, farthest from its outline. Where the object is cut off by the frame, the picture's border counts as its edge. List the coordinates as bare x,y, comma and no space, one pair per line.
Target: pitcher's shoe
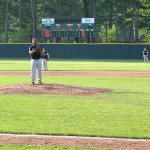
40,82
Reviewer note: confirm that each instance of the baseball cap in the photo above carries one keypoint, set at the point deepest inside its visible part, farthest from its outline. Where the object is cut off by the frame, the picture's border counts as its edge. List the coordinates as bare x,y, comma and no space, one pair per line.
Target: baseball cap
34,39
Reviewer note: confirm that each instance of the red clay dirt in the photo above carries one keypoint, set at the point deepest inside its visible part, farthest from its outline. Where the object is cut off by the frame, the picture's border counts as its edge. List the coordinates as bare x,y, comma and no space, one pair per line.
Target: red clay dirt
51,89
70,141
83,73
76,141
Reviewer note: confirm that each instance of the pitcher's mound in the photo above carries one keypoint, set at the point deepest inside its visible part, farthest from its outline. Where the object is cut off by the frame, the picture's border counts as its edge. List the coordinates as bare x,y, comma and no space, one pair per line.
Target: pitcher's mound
51,89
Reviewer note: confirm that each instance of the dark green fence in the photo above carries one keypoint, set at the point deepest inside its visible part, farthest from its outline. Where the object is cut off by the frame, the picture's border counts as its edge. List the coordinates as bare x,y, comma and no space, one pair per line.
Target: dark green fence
78,51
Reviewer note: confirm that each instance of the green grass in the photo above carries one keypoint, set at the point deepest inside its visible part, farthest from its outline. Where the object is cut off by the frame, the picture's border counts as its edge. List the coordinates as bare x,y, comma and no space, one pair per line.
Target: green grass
122,113
115,65
22,147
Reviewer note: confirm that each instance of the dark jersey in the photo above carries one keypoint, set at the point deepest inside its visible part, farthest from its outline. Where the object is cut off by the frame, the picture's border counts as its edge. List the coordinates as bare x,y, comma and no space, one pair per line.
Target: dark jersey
35,55
145,52
45,55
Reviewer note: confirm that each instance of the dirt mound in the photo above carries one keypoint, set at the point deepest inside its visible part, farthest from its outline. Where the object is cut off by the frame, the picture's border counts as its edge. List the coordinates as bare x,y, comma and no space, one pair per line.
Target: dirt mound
51,89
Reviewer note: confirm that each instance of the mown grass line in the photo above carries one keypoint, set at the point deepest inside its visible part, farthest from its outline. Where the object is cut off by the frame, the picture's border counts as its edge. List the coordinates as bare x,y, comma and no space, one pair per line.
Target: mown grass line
113,65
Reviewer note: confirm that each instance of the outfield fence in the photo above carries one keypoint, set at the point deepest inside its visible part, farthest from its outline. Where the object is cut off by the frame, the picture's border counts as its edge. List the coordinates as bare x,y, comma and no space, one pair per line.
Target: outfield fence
77,51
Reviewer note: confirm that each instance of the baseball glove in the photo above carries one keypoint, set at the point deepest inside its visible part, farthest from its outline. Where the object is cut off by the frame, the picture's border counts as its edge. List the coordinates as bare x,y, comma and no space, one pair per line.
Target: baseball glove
38,49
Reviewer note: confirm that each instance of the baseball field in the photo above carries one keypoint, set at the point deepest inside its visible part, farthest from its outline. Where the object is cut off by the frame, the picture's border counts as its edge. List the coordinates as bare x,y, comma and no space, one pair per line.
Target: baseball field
107,100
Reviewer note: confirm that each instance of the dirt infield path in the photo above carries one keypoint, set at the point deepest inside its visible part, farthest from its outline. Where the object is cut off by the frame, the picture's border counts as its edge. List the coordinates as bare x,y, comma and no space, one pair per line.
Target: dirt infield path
83,73
75,141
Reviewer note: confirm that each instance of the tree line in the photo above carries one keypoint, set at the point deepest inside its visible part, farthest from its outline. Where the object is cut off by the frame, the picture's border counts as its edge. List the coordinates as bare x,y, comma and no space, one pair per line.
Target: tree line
116,20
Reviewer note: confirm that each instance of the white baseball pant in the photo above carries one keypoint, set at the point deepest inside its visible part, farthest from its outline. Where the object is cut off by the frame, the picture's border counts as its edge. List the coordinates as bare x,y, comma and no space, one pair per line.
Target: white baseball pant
145,59
36,64
45,64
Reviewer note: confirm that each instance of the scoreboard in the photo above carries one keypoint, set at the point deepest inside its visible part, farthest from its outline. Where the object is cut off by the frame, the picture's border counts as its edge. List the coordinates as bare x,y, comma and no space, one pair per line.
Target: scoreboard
78,29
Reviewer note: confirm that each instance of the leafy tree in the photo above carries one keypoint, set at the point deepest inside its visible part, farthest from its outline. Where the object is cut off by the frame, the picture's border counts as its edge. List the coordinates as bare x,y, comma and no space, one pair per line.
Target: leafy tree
116,20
